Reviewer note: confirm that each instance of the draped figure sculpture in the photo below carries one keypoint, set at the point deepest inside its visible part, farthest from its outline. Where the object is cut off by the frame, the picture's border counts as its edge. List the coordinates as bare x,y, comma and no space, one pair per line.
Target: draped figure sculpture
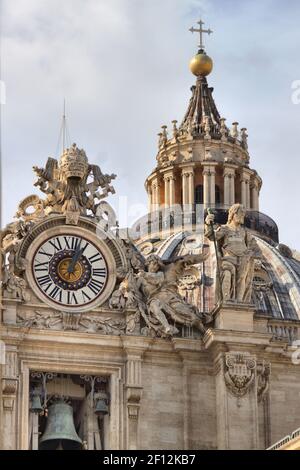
237,251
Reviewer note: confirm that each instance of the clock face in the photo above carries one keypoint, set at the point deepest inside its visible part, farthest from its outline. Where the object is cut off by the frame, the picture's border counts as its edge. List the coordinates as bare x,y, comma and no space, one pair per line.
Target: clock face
70,271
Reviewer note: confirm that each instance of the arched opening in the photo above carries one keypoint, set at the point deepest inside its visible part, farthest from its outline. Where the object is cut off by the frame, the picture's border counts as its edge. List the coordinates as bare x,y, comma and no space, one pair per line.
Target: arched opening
199,194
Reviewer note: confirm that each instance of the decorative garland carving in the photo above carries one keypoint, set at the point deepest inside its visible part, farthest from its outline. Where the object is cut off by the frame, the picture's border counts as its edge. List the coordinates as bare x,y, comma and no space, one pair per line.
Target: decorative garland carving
263,379
73,322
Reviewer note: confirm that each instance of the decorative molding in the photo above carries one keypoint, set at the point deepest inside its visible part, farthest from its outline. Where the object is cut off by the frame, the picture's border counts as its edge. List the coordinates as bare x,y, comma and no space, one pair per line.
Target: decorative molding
133,396
8,403
9,385
73,322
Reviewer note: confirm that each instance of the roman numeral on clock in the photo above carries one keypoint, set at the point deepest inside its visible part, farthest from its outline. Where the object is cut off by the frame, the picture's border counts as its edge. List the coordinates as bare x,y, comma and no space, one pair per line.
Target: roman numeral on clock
85,297
55,242
96,257
49,266
71,298
71,243
95,286
99,272
39,267
43,252
43,280
55,293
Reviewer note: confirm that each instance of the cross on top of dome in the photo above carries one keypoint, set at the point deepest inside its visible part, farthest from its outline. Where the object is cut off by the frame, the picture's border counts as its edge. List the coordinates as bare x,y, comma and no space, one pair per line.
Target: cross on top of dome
201,31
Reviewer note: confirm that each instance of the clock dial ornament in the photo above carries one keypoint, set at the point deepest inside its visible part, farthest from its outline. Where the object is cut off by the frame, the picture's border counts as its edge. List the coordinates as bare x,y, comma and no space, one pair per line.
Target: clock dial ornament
70,271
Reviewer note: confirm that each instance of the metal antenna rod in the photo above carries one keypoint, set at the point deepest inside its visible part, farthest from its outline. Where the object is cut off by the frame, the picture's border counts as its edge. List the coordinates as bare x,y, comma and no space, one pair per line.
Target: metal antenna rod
64,126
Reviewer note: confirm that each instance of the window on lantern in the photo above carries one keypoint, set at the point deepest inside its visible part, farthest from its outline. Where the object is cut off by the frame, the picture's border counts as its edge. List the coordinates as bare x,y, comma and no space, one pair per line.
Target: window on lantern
217,195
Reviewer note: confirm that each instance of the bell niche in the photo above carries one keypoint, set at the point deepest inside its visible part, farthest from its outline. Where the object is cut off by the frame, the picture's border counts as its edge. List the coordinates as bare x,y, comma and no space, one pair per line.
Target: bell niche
68,412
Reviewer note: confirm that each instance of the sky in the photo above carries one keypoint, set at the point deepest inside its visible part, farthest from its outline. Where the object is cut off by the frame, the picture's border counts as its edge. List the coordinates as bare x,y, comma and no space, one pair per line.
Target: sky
122,66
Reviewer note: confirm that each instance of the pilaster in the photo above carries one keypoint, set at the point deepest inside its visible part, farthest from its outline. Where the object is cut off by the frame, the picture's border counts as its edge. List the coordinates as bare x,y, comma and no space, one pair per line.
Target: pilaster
188,186
236,401
209,172
254,187
9,401
229,184
133,390
245,188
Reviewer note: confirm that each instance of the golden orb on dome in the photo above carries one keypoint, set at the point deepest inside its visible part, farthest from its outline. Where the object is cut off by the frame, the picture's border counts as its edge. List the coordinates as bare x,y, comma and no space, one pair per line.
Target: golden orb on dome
201,64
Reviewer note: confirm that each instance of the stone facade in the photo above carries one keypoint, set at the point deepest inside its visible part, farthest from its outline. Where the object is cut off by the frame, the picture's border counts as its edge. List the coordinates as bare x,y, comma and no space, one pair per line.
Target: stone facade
185,339
184,393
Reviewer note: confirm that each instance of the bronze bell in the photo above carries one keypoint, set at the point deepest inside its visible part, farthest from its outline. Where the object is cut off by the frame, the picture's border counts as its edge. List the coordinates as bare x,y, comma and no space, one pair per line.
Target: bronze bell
101,407
36,405
60,432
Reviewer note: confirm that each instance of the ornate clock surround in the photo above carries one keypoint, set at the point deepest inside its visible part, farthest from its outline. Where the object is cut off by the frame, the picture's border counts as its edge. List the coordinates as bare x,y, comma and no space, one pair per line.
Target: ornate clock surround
88,230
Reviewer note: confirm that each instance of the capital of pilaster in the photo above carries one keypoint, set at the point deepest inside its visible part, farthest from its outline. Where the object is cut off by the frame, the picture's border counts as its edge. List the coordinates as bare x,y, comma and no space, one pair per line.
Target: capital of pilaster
246,174
254,185
229,170
168,175
209,168
187,170
188,173
255,182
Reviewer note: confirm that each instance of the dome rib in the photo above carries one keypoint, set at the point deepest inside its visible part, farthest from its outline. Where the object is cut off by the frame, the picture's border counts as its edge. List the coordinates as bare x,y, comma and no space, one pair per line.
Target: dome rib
201,106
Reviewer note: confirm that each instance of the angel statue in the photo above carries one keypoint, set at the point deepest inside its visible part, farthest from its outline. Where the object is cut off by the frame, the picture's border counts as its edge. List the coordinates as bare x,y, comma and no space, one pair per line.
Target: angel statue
153,288
159,284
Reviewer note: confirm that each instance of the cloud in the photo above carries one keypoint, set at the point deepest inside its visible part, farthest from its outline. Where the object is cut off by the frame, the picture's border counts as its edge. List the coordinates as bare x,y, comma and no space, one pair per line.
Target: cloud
122,66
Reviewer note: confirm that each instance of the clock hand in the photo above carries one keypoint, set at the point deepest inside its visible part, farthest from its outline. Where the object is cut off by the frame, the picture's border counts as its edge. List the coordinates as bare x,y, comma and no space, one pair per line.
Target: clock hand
75,258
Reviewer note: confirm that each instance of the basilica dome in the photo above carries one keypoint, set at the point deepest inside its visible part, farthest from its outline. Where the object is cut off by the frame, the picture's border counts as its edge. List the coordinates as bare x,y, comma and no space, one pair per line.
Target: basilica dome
204,165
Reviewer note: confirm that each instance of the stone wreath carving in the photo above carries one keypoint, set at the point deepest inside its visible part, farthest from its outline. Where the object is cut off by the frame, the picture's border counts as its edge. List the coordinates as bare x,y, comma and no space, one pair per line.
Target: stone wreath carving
239,373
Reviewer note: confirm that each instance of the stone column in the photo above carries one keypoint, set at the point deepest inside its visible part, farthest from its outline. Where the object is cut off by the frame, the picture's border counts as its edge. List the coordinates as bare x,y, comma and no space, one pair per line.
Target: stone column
243,192
209,189
212,186
227,195
134,390
191,192
9,408
172,190
155,194
158,194
248,202
167,190
150,203
184,188
245,189
188,186
206,193
254,195
232,189
229,186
